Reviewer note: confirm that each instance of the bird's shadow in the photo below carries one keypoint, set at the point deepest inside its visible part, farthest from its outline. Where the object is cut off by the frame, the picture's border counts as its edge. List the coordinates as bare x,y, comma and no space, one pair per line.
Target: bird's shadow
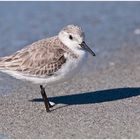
94,97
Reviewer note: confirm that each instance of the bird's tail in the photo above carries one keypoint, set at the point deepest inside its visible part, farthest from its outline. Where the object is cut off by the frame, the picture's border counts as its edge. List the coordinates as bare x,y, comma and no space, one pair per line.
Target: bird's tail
2,62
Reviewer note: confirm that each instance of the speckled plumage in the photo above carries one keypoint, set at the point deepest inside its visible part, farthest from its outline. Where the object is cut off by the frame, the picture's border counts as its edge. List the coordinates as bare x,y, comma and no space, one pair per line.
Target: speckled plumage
42,58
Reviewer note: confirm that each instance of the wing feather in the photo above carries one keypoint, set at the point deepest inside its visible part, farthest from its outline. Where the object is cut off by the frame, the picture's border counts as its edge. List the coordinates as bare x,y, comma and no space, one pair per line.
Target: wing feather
42,58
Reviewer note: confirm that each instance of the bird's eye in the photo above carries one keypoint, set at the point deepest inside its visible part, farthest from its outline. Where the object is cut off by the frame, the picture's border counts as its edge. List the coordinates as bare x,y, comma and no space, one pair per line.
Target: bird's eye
70,37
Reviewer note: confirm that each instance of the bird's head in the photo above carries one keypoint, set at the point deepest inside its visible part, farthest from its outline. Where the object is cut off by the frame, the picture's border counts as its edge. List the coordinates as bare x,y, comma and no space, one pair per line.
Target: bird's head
73,37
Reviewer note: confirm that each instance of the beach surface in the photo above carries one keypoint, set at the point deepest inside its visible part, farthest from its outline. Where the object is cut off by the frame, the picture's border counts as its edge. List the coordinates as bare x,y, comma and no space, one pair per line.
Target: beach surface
101,101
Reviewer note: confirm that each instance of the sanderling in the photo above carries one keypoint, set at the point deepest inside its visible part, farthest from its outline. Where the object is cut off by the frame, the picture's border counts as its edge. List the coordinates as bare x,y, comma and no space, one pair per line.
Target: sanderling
49,61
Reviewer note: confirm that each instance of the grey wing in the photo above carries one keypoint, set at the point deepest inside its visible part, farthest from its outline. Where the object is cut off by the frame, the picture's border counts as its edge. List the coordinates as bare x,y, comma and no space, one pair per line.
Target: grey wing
34,60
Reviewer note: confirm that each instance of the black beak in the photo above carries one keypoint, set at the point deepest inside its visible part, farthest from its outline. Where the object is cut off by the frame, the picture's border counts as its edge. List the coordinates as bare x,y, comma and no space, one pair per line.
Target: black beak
84,46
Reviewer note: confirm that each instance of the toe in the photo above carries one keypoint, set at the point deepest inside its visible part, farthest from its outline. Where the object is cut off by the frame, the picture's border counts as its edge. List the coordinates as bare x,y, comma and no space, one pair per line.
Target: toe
52,104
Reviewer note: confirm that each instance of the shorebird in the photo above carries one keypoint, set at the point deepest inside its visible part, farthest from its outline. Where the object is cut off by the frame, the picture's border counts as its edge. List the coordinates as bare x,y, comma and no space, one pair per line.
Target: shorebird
49,61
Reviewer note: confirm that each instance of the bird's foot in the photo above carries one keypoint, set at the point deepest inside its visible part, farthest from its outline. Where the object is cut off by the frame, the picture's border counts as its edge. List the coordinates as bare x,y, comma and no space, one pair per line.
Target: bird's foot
51,104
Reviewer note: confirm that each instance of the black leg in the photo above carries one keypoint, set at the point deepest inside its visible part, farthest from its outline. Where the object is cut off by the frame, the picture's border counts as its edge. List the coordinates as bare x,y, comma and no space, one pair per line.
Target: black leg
45,98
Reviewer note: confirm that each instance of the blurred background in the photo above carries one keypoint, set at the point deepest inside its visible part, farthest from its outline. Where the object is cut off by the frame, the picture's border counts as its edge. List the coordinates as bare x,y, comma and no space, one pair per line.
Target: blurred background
112,28
108,25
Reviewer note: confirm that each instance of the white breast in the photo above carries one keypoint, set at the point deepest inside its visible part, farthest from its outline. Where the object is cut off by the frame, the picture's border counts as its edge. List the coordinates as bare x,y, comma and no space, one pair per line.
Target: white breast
71,67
